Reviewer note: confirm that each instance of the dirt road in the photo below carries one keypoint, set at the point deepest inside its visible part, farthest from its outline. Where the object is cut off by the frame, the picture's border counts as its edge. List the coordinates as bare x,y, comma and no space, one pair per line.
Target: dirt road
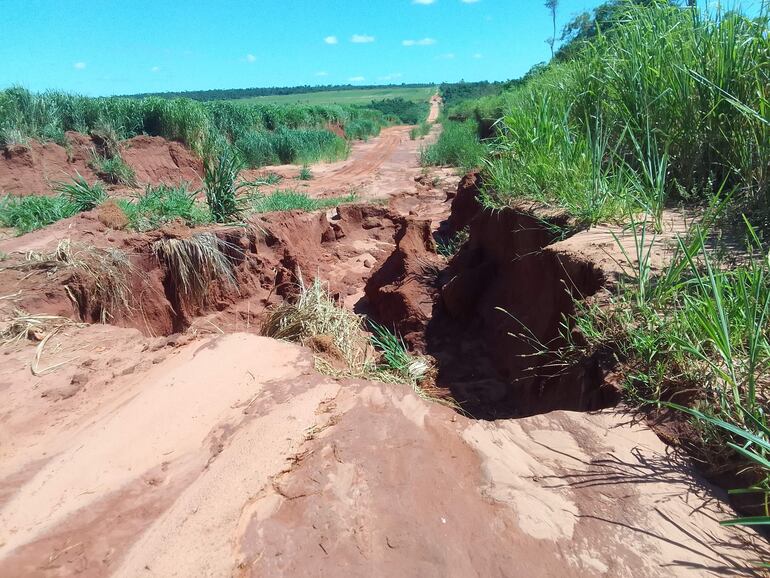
382,167
217,452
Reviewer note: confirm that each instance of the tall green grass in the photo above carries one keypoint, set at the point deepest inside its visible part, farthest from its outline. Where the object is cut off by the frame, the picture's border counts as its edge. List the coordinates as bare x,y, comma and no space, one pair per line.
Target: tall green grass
29,213
669,105
221,185
290,146
458,145
698,335
264,133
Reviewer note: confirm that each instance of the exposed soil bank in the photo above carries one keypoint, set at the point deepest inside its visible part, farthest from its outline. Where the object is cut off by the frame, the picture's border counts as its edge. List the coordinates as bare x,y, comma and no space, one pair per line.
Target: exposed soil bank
244,461
35,169
485,318
266,258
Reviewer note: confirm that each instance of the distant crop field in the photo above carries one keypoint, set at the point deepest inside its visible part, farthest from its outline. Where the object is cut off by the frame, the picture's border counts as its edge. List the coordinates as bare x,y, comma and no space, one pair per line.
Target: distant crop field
353,96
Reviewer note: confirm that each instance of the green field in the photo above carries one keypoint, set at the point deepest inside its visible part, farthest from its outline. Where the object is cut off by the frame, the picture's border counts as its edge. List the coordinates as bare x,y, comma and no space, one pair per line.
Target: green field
352,96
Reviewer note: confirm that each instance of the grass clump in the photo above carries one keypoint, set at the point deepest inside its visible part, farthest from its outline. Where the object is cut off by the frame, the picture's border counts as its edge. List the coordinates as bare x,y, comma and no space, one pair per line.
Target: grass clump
113,170
162,204
698,334
193,264
289,200
11,137
221,186
449,247
314,319
396,358
30,213
21,326
305,174
420,131
99,283
458,145
315,314
82,195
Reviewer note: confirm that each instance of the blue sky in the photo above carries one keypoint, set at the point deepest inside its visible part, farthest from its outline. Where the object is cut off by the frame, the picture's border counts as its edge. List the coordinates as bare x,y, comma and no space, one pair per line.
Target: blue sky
108,47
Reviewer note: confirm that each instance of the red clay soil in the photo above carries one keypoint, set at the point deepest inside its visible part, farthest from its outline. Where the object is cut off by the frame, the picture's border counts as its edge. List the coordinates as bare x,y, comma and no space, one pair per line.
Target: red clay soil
244,461
157,160
267,257
402,292
35,169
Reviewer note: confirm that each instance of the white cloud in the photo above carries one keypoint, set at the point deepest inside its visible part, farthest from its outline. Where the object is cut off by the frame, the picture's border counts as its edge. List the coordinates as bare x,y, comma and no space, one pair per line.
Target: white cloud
155,69
322,73
356,79
423,1
478,55
331,40
421,42
79,65
250,58
469,1
391,76
447,56
361,39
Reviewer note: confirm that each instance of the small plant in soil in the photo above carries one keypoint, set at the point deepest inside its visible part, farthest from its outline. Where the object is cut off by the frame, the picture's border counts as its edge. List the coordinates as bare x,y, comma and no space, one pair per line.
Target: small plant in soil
449,247
268,179
305,174
220,174
396,357
113,170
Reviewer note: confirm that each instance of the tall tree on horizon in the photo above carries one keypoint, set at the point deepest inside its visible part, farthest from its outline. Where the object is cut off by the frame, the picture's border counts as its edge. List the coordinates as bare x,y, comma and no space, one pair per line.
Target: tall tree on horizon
552,5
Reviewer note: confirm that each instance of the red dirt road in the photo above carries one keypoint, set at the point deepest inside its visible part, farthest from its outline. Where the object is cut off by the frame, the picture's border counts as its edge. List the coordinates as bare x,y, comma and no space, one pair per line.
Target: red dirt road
382,167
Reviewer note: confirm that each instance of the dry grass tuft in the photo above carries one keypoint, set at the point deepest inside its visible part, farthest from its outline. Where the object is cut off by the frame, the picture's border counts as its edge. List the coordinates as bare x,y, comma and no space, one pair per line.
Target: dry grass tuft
195,262
22,326
101,276
316,315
